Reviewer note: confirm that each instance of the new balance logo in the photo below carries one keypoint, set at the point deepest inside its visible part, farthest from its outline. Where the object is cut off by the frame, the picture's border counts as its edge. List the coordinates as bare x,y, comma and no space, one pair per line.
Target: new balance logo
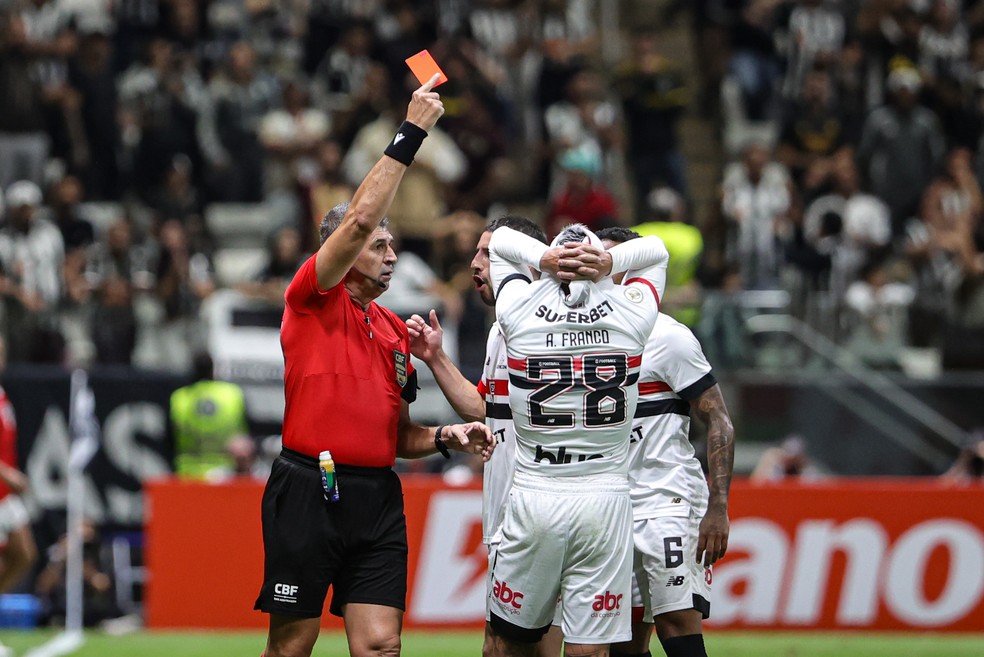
398,138
561,456
675,581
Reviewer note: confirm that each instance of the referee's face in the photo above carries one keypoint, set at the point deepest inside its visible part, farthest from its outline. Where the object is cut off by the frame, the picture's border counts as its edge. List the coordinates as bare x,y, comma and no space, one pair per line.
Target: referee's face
376,261
480,270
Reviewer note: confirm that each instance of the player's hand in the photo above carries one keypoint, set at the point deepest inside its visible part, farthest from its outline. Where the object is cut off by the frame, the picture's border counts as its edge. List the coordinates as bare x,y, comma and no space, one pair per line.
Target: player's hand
425,105
577,261
426,340
471,437
712,539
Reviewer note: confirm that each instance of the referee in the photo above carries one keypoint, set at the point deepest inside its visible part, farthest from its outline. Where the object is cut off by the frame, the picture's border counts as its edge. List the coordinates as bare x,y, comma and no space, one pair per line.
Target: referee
348,383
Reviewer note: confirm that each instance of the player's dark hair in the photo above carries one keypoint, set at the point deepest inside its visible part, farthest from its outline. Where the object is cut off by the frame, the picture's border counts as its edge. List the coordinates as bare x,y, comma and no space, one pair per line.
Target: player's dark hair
617,234
521,224
333,219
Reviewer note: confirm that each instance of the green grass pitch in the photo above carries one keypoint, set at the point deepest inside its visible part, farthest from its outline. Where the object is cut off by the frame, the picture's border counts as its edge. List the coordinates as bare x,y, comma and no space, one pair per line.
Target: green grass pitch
464,644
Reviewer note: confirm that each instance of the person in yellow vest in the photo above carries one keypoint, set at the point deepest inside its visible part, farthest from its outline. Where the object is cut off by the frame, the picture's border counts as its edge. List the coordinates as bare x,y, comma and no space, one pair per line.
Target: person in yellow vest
682,297
205,415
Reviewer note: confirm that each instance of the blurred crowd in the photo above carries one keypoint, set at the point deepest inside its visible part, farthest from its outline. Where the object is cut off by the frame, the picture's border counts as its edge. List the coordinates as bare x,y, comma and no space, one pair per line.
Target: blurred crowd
850,177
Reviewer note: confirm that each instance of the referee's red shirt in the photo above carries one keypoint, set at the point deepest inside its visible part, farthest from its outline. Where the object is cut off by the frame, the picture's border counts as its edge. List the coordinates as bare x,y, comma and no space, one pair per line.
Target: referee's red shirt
344,376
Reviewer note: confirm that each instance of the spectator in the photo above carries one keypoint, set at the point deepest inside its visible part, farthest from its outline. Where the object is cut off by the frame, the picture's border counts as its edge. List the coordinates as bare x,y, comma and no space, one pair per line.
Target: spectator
118,270
24,140
92,75
567,38
816,34
754,65
159,114
32,256
584,119
944,250
813,131
757,199
943,43
341,75
482,140
901,148
291,136
177,198
876,316
582,199
654,96
184,278
238,99
789,460
284,258
847,225
99,603
65,199
322,187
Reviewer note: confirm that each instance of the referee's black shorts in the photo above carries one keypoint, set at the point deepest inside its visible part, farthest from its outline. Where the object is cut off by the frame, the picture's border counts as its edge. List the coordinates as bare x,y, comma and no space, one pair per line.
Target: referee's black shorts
358,545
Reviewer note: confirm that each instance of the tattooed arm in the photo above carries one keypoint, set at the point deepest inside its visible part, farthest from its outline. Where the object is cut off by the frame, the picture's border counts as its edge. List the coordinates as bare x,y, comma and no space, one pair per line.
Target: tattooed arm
714,527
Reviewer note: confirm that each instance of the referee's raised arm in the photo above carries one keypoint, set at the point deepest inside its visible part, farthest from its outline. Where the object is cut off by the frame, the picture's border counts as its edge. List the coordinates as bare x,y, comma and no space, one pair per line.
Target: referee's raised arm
374,196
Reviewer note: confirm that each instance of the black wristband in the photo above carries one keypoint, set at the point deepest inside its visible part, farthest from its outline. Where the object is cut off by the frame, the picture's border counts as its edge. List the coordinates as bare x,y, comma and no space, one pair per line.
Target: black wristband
405,143
439,442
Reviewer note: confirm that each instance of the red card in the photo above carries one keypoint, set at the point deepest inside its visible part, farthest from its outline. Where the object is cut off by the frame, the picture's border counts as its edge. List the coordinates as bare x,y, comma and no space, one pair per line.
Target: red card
424,67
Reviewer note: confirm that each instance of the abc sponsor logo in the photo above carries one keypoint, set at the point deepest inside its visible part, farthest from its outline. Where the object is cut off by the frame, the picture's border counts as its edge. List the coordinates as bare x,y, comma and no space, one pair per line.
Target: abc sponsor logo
507,597
607,605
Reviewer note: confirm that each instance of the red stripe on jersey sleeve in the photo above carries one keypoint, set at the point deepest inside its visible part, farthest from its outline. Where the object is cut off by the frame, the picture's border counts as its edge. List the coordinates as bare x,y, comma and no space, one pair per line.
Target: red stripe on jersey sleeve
635,361
650,387
483,387
651,287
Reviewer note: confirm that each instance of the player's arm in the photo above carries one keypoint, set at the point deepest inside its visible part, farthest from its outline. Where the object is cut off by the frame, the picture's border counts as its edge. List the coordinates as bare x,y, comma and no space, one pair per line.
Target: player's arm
374,196
414,440
644,261
426,343
511,254
712,542
14,479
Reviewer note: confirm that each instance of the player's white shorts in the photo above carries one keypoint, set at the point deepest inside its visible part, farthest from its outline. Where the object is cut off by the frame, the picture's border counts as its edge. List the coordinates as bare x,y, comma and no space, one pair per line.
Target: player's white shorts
567,537
13,515
665,573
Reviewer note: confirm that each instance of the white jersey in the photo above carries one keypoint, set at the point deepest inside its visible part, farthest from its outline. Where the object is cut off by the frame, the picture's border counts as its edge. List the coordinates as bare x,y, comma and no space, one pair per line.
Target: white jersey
665,476
573,371
498,473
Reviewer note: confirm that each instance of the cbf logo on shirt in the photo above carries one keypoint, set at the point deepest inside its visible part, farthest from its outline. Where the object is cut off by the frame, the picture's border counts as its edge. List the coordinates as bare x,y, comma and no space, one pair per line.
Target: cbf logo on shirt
400,360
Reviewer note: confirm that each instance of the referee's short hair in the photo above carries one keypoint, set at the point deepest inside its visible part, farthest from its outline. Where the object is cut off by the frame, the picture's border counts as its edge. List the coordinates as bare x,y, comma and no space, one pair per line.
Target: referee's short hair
618,234
333,219
519,223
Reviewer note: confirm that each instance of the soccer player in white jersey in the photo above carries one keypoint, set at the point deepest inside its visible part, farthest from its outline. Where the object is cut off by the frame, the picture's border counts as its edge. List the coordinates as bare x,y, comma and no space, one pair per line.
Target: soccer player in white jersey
680,527
574,351
488,402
